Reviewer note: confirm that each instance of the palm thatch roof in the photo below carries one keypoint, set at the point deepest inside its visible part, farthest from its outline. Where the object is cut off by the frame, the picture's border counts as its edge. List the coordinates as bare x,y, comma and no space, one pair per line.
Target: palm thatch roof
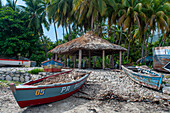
86,42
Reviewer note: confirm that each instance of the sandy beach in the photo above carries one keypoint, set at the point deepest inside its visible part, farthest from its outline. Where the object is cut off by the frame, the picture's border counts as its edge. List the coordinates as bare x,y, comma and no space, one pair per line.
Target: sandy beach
106,91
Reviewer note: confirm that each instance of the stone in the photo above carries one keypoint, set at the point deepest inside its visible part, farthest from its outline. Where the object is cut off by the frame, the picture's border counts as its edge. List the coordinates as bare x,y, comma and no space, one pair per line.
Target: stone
22,79
12,75
27,74
16,78
27,78
166,90
42,73
17,75
2,78
8,78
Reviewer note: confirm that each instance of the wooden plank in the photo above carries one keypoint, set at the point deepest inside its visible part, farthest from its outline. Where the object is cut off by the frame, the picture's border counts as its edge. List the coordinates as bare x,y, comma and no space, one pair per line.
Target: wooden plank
89,59
103,58
120,59
80,57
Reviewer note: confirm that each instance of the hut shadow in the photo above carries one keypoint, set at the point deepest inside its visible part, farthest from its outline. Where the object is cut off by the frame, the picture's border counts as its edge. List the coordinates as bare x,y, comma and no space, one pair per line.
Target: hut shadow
74,101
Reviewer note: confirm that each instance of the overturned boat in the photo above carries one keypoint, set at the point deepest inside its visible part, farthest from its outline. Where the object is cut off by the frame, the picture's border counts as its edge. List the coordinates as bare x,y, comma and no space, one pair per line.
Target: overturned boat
48,89
144,76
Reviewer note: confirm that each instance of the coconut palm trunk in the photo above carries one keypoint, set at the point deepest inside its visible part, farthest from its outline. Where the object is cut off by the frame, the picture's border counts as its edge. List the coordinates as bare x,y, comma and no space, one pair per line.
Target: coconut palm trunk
45,49
92,23
55,33
120,35
69,27
129,43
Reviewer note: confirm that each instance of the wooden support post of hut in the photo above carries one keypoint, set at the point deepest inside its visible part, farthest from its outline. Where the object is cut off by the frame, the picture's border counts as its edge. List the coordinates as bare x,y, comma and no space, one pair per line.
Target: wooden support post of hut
80,57
103,58
120,59
75,61
89,59
56,57
65,60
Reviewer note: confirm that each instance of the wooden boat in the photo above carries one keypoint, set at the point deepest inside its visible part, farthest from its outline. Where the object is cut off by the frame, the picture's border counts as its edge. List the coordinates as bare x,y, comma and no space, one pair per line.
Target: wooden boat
13,62
52,65
161,58
144,76
40,92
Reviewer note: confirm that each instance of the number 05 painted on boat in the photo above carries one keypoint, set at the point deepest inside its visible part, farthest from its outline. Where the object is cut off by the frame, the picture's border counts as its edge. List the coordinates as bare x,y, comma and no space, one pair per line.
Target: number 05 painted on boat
40,92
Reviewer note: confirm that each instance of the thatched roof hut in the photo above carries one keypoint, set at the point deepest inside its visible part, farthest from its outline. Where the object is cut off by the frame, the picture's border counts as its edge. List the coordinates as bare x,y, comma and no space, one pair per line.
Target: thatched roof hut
88,44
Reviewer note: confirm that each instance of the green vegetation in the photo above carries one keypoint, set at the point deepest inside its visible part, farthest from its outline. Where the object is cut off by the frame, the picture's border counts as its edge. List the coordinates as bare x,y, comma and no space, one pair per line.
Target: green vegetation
167,76
36,71
129,23
5,83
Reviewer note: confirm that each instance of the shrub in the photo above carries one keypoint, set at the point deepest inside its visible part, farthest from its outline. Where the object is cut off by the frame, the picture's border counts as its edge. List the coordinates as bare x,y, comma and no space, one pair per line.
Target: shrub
36,71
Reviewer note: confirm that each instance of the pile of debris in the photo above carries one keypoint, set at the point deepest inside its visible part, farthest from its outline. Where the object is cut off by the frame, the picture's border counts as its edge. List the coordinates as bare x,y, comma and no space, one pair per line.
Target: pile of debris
63,78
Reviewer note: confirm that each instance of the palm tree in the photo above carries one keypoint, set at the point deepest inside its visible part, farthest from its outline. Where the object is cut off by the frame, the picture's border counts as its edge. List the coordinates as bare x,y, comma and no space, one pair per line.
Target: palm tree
131,14
156,14
12,4
60,11
36,11
89,9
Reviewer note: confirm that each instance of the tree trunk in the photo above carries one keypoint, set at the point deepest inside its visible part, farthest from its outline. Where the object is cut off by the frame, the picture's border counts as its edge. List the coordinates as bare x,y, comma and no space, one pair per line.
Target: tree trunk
55,33
97,28
146,52
143,44
67,31
114,35
128,49
120,35
164,40
125,47
69,37
92,23
45,49
63,32
146,47
151,42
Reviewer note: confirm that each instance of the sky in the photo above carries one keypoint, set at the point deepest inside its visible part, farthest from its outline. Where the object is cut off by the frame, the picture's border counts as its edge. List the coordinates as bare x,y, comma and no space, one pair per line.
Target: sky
51,33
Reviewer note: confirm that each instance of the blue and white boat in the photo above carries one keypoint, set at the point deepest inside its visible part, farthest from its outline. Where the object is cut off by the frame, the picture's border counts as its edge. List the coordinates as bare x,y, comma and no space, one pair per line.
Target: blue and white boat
143,76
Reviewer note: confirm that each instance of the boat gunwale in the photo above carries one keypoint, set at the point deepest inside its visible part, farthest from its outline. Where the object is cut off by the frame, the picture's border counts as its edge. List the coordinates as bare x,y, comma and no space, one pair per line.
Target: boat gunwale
156,76
29,87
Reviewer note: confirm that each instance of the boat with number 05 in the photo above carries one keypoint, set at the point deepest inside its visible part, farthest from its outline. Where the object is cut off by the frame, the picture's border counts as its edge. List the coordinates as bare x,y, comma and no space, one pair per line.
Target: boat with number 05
144,76
48,89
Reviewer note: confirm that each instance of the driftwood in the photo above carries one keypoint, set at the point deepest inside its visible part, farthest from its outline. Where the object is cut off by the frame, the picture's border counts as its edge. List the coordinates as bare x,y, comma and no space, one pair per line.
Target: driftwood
63,78
108,96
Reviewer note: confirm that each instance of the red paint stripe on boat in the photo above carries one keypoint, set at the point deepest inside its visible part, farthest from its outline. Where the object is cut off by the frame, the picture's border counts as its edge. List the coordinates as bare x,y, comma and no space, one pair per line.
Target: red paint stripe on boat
23,104
15,60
